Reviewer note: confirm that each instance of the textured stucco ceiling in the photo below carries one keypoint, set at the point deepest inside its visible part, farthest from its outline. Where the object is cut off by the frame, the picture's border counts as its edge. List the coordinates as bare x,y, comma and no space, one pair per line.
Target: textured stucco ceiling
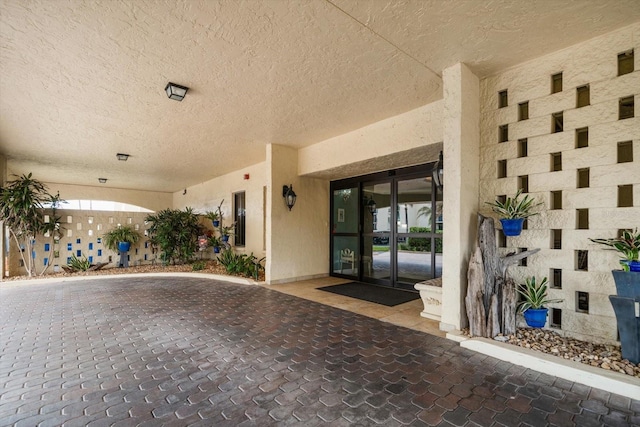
83,80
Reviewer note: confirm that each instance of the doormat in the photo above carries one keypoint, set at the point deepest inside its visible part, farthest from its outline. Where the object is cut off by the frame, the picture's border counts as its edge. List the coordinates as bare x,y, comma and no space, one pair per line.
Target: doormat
372,293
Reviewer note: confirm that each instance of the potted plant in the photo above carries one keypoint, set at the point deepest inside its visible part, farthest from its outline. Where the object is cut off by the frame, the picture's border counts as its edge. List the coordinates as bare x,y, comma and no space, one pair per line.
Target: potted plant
214,217
227,231
121,238
214,242
627,283
513,212
534,299
628,246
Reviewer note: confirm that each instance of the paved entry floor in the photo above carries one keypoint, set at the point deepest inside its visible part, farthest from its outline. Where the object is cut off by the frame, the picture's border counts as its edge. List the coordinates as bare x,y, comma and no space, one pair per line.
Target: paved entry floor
189,351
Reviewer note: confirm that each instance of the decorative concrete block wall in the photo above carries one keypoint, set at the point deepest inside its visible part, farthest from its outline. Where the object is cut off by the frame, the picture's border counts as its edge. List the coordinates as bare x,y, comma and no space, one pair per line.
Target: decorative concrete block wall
82,236
580,159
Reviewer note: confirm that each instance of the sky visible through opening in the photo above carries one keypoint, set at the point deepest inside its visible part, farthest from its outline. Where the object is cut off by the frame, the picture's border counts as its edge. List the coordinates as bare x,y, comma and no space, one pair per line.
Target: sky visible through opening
99,205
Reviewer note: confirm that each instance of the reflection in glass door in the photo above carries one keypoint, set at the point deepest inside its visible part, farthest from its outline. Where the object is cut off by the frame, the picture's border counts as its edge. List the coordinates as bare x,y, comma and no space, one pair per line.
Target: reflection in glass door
419,246
387,227
345,241
376,233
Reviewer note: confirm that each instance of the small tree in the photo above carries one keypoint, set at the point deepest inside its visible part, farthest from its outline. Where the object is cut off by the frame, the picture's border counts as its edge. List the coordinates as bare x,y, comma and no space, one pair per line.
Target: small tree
176,233
21,210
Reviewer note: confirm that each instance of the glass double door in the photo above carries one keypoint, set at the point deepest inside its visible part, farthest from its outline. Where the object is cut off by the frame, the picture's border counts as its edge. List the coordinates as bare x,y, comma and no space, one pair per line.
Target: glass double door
387,231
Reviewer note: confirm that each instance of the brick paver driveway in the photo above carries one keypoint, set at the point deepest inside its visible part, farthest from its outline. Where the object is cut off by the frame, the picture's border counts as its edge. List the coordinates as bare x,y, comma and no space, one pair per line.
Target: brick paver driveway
190,351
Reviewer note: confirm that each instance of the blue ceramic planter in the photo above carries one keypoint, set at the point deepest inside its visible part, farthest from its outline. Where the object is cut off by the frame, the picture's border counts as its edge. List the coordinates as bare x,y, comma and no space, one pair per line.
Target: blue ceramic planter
225,238
634,266
627,283
512,227
216,249
124,246
536,317
216,223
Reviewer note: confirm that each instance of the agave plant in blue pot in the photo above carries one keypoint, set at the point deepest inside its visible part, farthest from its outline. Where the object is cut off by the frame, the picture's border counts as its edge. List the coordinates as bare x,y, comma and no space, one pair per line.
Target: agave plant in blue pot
534,298
627,246
513,211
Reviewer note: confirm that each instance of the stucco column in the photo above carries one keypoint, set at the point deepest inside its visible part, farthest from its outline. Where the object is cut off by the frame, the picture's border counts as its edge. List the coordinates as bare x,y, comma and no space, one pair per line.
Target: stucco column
461,140
297,241
3,180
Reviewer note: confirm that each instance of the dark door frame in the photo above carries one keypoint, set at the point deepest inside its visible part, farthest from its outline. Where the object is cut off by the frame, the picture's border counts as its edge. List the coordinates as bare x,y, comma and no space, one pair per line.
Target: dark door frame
391,176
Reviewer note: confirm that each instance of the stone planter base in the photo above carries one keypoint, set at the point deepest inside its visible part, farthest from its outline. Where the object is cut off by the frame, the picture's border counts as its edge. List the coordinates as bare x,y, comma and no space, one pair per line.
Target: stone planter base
431,294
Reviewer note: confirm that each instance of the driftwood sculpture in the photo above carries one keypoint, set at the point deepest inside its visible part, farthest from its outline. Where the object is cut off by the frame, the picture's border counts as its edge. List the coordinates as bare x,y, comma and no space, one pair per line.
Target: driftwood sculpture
491,295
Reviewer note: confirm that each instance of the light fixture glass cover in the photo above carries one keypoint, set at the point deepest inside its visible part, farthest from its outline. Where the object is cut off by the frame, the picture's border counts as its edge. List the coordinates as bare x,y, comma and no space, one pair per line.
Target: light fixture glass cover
371,205
122,157
175,91
438,172
289,195
102,180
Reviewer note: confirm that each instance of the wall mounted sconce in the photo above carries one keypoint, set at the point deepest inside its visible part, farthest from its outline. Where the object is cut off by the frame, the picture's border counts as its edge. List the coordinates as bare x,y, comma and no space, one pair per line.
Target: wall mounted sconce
122,157
437,172
102,180
175,91
370,204
289,195
184,192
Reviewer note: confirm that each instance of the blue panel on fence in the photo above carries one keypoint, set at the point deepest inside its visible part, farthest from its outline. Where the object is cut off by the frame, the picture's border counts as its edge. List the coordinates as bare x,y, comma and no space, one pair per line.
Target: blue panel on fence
145,257
46,260
69,246
78,252
78,241
99,252
47,246
90,259
99,240
90,246
68,260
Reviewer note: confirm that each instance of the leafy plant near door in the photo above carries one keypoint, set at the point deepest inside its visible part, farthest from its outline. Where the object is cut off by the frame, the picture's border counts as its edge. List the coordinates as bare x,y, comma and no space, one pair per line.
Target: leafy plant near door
247,265
176,233
21,210
534,298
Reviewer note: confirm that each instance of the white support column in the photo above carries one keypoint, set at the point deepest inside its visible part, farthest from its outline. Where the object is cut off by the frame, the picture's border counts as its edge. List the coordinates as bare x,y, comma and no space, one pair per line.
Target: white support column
298,240
461,176
3,180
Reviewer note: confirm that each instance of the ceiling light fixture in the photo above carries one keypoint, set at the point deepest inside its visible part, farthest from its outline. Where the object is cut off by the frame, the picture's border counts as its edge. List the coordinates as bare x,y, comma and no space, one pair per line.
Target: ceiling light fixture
102,180
175,91
122,157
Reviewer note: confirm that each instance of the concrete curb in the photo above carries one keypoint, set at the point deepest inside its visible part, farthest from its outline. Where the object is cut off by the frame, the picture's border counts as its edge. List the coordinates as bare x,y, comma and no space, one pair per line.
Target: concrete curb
569,370
222,278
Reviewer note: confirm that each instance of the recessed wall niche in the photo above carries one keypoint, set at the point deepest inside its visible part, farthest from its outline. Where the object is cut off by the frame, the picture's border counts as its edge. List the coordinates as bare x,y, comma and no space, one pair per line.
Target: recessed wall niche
582,96
503,133
583,178
523,111
625,62
625,108
503,99
523,149
625,152
582,137
625,196
556,83
557,122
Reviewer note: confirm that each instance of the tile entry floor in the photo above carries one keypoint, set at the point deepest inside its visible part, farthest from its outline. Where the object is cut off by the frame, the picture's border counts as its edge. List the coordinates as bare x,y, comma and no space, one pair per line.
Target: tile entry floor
168,351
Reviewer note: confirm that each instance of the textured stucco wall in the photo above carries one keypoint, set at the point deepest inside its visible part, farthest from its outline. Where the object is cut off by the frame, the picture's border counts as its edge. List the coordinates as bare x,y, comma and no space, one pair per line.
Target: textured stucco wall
208,195
461,119
297,240
594,63
395,142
